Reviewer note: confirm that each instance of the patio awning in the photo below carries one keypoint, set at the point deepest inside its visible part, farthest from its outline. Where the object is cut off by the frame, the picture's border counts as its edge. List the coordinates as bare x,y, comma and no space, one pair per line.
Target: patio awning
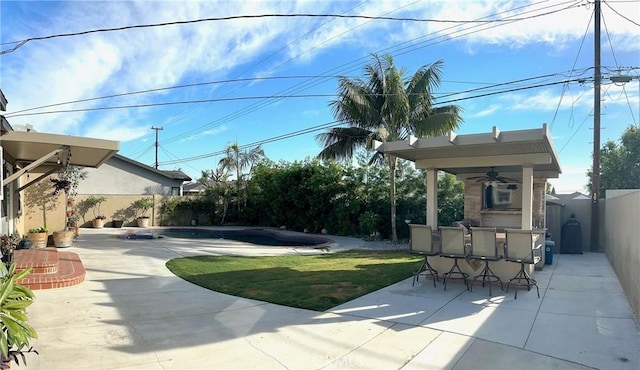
32,149
473,154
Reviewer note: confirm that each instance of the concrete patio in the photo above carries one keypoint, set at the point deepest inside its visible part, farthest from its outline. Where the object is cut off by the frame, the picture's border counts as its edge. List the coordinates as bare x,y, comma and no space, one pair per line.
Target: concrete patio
132,313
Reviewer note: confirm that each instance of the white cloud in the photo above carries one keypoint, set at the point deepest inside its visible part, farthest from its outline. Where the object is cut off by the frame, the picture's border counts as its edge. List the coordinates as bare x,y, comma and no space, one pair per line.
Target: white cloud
571,180
549,100
216,130
99,64
485,112
119,133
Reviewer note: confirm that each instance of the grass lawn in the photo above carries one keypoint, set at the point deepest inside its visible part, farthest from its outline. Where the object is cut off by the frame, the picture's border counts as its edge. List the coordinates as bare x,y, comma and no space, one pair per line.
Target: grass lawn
317,282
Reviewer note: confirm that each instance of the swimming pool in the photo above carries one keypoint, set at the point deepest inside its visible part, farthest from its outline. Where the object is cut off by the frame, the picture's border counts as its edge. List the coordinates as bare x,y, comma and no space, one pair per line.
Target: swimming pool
252,236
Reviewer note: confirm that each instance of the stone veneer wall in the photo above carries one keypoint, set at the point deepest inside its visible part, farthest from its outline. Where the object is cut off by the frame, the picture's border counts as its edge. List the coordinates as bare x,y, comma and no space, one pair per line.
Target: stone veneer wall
473,200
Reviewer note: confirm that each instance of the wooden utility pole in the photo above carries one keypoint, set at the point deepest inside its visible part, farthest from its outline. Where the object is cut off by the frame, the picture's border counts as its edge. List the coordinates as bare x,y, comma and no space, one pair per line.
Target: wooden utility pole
595,177
157,129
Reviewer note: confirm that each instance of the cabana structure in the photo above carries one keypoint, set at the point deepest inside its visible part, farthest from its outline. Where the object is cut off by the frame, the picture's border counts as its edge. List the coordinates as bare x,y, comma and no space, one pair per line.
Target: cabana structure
505,173
505,176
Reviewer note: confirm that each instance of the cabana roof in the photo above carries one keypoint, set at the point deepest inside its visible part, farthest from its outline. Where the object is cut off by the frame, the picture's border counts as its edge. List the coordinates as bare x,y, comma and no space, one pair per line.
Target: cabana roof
506,152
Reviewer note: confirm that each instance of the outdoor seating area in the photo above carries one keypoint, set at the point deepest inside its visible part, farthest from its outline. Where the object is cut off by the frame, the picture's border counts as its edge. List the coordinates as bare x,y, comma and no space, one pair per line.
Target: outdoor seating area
134,313
474,255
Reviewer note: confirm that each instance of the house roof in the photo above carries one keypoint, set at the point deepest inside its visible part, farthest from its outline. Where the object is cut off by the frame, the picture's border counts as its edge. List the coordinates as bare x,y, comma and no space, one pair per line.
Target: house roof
173,174
193,187
505,152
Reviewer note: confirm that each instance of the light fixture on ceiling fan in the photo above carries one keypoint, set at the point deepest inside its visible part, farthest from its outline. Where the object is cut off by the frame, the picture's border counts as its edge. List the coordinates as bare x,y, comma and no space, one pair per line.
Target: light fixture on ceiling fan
493,177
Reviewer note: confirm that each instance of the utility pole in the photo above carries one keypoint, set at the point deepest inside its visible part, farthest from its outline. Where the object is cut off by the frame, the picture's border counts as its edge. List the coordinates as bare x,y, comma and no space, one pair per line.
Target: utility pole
595,178
157,129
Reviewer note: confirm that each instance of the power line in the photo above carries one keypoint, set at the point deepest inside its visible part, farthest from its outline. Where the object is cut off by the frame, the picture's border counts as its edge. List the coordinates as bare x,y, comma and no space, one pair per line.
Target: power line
252,79
565,88
21,112
408,47
265,97
618,13
260,142
211,19
326,125
271,101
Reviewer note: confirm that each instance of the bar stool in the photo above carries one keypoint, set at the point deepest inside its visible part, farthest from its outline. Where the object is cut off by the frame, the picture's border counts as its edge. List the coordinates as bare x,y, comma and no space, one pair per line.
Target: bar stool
521,248
484,248
452,245
421,243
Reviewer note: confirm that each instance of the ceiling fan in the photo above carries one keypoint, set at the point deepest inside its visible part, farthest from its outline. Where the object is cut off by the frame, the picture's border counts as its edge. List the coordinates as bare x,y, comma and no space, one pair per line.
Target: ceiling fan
493,176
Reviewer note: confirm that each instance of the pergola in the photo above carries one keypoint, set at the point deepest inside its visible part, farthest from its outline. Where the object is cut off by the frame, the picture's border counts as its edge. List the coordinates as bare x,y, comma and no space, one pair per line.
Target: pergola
31,150
522,155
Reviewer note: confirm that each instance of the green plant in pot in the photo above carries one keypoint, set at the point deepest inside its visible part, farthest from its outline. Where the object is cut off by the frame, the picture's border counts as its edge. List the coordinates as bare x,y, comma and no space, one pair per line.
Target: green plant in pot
8,244
15,331
93,203
119,217
39,236
141,206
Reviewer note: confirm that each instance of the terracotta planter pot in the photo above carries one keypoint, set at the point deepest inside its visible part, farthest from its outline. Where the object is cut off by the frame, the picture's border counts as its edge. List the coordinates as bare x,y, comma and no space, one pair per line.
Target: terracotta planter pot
98,223
39,239
62,239
143,222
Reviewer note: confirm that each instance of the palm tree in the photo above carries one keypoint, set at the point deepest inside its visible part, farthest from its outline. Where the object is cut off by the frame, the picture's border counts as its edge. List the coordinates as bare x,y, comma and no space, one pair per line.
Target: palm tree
218,189
386,107
238,160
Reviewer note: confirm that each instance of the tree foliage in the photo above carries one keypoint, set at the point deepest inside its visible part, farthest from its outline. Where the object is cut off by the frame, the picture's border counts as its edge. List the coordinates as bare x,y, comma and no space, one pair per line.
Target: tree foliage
386,106
313,195
238,160
619,163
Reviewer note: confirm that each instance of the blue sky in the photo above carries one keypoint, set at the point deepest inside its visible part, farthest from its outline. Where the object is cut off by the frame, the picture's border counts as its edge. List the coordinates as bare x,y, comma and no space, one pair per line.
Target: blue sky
546,43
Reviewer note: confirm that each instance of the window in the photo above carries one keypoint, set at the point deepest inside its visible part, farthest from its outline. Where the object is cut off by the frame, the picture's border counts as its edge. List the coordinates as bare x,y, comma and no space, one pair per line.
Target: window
175,190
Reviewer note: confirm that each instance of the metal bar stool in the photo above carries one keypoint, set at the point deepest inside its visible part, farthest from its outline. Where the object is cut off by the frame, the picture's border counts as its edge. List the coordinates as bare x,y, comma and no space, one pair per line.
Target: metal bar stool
452,245
421,243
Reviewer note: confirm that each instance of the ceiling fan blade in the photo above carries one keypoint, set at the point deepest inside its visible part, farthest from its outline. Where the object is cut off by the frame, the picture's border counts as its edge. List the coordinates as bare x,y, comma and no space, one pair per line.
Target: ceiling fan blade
505,180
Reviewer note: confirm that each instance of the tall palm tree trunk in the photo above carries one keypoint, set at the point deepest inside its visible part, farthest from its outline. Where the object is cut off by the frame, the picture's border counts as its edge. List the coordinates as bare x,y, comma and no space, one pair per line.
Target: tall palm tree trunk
392,195
238,187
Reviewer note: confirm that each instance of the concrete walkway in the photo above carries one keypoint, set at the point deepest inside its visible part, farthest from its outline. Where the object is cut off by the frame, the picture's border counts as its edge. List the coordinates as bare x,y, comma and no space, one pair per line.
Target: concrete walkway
132,313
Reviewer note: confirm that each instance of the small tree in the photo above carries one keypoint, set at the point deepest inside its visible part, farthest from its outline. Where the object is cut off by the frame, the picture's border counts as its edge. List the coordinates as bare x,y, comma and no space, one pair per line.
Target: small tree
141,206
93,203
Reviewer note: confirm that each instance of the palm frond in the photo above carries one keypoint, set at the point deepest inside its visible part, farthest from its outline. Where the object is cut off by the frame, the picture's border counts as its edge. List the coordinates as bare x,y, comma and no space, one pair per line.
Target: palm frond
341,142
440,121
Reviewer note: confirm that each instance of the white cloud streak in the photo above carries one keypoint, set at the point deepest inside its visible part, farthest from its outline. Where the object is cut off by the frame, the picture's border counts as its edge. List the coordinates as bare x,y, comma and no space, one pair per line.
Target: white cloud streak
80,67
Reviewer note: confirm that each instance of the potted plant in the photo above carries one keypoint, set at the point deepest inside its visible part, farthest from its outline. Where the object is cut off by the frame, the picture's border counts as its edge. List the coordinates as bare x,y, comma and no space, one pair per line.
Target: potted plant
39,236
63,238
15,331
8,244
93,203
141,206
118,218
98,221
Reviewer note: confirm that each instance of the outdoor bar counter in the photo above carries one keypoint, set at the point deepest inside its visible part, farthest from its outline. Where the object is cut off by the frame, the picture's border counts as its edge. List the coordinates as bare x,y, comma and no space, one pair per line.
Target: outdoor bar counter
502,268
